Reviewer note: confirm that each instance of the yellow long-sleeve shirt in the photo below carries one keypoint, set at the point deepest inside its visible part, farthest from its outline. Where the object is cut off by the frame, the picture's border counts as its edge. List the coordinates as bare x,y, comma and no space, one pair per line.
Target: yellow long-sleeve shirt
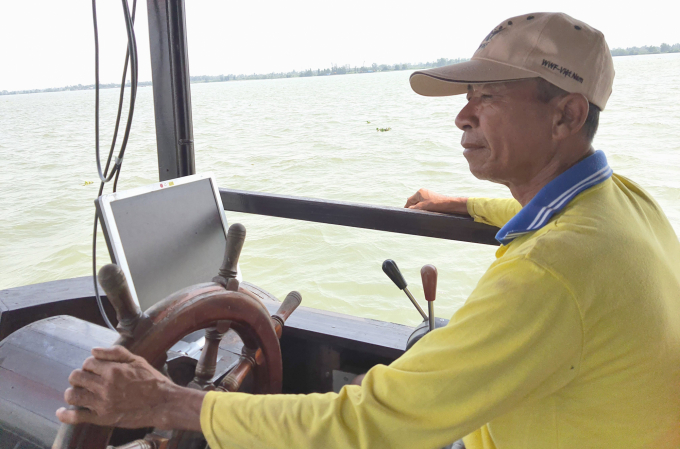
571,339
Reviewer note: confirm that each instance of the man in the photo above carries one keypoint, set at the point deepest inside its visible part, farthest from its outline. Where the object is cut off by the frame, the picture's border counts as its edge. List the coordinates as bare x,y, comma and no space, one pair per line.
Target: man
570,339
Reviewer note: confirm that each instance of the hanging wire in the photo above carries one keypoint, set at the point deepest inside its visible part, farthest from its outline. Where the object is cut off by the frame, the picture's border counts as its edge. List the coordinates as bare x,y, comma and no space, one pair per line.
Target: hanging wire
131,56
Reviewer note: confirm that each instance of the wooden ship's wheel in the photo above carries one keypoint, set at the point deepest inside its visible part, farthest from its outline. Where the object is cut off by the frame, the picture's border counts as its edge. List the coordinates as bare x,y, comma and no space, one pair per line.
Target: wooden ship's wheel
217,307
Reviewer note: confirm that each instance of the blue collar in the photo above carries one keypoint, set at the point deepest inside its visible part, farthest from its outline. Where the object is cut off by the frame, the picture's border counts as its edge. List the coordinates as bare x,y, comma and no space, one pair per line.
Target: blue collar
555,196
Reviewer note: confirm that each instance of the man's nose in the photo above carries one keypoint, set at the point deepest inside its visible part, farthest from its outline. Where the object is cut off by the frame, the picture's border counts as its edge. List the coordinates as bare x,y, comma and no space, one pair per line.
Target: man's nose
467,117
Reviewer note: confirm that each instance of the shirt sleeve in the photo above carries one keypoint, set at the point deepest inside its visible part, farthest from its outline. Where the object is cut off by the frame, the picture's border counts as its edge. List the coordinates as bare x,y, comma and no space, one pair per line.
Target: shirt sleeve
493,211
518,337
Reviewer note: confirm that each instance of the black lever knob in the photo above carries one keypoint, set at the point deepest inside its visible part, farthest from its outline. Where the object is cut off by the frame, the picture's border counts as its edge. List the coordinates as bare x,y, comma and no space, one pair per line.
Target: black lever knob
392,271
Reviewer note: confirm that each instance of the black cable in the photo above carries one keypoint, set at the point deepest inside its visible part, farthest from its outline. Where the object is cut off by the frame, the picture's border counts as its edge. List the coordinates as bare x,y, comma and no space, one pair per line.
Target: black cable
132,48
100,303
130,55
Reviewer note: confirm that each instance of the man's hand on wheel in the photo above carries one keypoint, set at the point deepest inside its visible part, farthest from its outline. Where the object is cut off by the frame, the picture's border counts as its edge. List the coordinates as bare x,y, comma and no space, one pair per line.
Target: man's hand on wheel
428,200
118,388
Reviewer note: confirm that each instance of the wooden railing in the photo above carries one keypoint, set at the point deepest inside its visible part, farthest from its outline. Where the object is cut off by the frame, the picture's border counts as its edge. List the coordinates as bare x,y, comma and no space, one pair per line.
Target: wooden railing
379,218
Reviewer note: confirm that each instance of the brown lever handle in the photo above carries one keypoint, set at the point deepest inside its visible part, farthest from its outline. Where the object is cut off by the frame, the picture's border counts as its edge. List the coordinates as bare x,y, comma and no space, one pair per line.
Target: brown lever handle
429,276
112,280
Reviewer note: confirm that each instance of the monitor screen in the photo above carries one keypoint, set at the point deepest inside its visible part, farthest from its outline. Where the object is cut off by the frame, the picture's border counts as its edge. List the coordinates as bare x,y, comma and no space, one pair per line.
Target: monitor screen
168,238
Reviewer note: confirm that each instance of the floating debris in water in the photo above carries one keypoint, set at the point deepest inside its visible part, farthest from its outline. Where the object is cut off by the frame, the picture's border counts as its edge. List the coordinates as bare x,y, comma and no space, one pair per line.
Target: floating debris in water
87,183
382,130
368,122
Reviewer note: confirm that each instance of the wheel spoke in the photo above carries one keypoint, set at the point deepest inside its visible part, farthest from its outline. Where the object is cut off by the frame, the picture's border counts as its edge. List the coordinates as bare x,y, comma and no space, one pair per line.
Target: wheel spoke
249,359
232,381
207,363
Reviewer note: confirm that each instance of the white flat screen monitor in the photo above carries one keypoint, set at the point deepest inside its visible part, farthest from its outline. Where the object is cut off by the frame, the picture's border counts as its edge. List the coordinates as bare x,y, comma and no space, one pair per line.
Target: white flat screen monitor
165,236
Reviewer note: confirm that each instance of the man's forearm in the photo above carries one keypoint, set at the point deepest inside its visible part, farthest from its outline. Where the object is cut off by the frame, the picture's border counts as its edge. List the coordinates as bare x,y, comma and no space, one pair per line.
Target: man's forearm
181,411
453,205
425,199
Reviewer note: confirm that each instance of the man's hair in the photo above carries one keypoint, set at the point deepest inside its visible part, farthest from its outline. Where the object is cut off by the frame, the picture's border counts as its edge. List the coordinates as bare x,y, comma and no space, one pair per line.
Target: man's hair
547,91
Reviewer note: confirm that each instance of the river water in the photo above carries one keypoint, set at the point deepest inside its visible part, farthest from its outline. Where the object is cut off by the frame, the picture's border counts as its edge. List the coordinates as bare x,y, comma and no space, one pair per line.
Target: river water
306,137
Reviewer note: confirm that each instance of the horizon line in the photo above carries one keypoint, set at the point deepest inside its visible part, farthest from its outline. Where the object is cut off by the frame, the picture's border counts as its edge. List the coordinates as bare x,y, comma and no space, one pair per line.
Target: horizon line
334,70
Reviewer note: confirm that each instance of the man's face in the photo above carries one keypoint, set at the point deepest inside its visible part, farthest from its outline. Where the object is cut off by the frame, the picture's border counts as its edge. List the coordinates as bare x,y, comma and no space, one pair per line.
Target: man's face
507,131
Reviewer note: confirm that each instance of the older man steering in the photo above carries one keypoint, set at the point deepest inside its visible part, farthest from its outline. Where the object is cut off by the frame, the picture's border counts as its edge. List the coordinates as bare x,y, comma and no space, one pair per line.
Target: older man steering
571,339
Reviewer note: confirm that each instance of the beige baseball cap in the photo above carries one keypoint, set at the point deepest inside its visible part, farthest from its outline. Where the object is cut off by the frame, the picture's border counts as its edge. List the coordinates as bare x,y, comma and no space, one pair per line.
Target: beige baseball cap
554,46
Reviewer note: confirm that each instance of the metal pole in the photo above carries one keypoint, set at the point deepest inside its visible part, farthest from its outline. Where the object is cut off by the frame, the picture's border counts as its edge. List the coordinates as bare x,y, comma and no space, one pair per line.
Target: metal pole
171,91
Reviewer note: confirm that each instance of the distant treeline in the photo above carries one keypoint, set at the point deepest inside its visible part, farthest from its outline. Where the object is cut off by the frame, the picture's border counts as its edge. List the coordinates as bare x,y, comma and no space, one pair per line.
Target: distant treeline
646,50
74,87
335,70
338,70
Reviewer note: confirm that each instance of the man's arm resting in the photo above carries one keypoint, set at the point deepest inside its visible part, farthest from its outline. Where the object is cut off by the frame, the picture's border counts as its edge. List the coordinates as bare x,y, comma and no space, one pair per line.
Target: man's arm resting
428,200
491,211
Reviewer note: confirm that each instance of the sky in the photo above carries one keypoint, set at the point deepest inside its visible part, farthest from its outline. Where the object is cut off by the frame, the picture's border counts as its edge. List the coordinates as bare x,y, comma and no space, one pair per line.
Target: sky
51,44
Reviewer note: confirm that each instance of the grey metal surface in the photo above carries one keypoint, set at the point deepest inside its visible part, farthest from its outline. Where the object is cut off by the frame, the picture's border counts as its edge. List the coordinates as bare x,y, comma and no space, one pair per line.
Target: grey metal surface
168,239
171,90
35,363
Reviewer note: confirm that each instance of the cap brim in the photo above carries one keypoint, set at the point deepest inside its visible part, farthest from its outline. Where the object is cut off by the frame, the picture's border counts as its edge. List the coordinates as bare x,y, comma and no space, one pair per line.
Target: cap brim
454,79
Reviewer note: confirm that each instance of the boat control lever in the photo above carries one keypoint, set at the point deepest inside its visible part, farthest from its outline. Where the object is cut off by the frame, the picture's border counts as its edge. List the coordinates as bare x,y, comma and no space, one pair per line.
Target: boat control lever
392,271
429,276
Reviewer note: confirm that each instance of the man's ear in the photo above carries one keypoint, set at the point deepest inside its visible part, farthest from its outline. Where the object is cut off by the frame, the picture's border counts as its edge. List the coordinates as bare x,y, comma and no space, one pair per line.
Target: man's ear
571,112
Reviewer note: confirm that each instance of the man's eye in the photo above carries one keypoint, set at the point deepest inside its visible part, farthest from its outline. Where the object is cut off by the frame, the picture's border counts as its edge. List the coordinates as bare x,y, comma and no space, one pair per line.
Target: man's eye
486,96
